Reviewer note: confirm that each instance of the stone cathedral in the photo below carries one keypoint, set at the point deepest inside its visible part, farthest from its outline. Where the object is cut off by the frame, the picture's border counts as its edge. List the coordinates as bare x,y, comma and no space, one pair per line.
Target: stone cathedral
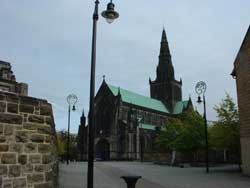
127,123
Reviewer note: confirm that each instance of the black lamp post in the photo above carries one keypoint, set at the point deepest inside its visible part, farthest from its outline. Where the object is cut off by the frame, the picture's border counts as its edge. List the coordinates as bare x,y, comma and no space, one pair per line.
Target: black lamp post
200,89
110,16
72,100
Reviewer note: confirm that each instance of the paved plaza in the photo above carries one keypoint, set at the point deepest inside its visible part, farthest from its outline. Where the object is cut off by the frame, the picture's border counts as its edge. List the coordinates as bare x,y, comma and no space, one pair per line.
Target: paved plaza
107,175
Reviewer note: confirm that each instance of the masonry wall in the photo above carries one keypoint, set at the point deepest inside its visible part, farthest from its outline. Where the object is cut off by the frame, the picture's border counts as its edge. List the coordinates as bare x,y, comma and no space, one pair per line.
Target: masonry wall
28,151
242,68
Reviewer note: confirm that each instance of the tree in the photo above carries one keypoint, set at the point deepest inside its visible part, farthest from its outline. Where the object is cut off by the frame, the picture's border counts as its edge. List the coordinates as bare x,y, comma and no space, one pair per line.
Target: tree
224,135
184,134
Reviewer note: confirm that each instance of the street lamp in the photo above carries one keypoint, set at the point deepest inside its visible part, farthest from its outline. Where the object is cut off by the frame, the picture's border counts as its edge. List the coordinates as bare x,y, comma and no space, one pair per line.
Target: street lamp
72,100
200,89
110,14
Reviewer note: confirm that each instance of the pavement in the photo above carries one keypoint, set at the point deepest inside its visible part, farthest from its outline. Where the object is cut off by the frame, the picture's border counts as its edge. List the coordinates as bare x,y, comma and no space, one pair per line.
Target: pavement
107,175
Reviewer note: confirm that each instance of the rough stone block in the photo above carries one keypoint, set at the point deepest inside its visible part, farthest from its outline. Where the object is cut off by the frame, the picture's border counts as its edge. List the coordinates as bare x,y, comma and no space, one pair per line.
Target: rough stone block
35,159
36,119
22,136
19,183
2,139
2,97
27,168
8,158
12,98
39,168
44,148
44,130
45,110
46,159
4,147
3,170
37,138
29,101
11,118
7,185
14,170
1,128
26,108
48,120
8,130
49,176
13,147
22,159
2,106
12,108
30,126
30,148
48,139
44,185
35,178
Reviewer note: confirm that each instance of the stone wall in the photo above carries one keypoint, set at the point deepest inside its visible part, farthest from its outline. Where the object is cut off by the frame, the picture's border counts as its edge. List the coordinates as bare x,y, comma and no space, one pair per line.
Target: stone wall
28,154
242,74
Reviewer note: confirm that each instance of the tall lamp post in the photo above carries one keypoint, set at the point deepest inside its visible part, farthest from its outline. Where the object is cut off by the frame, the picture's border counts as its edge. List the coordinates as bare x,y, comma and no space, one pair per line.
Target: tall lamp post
72,100
110,14
200,89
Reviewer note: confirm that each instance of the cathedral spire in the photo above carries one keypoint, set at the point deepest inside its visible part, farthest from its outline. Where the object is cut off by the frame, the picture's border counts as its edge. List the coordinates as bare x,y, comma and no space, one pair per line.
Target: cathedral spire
165,69
164,45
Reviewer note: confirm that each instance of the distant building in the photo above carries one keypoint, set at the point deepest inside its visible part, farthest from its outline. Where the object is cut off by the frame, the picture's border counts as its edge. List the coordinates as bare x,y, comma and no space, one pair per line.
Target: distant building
127,123
241,72
82,139
8,80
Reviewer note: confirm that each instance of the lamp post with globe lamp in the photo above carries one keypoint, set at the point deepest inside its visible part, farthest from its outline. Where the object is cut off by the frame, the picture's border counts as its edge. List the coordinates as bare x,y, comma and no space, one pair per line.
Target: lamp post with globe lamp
200,89
110,15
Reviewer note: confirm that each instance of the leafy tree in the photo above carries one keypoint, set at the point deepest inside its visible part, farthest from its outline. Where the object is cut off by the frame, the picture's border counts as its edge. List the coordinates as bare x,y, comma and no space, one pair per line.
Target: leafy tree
185,134
224,135
62,140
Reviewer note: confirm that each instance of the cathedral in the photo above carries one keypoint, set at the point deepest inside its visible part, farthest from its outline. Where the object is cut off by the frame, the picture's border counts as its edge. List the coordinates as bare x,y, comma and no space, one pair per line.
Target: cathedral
127,123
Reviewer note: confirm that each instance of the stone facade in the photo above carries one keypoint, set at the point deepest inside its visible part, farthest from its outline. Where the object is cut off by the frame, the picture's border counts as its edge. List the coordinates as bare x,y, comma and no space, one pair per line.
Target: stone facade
28,154
8,80
242,74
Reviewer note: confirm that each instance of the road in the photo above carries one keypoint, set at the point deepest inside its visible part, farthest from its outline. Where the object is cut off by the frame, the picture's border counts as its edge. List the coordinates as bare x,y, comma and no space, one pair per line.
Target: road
107,175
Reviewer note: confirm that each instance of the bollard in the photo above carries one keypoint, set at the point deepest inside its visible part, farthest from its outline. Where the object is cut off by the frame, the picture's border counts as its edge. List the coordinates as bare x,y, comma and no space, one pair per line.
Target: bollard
131,180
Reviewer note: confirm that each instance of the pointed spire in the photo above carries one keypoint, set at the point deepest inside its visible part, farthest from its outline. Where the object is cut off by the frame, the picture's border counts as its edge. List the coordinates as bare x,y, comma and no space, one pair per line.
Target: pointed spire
164,45
165,69
164,36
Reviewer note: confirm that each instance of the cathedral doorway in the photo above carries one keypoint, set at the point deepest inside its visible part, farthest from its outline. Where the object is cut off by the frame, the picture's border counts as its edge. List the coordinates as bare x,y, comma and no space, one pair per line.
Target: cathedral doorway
102,150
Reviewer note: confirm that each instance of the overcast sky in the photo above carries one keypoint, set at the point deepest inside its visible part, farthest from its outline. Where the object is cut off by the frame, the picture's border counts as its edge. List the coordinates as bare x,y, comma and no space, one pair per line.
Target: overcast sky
48,43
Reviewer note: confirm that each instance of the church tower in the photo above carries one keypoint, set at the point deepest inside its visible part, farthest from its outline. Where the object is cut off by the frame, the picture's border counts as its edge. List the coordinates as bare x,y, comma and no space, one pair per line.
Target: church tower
165,88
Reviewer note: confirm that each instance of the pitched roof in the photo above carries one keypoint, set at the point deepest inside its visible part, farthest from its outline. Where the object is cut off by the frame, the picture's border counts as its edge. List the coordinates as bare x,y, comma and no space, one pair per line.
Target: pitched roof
180,107
139,100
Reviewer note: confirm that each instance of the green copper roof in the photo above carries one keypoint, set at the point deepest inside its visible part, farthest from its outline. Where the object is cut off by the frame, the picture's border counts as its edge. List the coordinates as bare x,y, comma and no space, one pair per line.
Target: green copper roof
147,126
139,100
180,106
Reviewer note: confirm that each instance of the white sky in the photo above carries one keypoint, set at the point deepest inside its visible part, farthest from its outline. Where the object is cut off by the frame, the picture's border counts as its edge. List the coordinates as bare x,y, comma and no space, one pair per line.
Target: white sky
48,43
